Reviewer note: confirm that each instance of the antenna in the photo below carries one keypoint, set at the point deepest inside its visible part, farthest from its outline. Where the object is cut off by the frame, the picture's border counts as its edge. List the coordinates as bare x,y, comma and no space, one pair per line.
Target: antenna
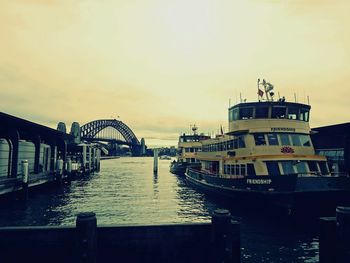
308,100
240,97
229,102
295,97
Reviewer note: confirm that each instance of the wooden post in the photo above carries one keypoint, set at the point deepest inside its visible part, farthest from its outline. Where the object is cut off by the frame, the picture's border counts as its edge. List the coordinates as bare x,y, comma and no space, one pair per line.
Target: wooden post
98,155
155,161
84,158
90,159
37,141
343,233
327,243
86,229
25,179
59,170
69,169
225,238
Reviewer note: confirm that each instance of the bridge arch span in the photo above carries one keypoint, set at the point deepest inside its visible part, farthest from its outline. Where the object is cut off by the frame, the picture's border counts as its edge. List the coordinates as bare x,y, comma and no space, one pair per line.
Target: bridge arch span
91,129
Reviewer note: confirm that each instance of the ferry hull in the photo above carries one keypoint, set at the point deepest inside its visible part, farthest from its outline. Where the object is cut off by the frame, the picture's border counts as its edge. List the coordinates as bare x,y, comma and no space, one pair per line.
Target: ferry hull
290,194
179,168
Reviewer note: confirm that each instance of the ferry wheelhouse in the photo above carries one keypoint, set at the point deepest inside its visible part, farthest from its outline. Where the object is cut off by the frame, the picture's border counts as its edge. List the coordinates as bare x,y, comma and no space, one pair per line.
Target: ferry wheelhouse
268,154
188,146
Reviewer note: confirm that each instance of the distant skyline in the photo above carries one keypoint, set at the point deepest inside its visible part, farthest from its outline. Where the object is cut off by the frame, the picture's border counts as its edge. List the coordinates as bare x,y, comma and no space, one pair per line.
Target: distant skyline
164,65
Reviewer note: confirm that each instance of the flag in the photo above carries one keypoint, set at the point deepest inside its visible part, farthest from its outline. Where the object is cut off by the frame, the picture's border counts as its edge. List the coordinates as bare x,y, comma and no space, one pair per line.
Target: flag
260,92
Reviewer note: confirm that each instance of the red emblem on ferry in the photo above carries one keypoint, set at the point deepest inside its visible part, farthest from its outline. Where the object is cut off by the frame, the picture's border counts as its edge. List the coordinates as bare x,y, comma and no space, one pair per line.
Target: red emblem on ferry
287,150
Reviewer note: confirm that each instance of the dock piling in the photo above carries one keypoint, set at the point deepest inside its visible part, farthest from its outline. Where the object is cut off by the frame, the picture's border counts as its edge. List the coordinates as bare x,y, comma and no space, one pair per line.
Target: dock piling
155,161
69,170
343,233
86,227
25,178
327,243
225,237
59,170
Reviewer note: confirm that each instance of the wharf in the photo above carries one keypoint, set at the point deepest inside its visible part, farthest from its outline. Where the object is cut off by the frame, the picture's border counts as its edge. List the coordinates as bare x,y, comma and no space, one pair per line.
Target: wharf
87,242
32,155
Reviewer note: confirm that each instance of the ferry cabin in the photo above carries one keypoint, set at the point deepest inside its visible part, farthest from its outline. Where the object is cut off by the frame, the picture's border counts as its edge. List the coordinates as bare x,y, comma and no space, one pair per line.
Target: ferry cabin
264,138
188,146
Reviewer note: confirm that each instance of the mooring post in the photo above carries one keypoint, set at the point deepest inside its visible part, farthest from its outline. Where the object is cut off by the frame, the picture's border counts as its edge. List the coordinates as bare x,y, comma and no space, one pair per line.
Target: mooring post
86,226
225,238
155,161
98,154
69,169
84,158
327,242
90,159
343,233
59,170
25,178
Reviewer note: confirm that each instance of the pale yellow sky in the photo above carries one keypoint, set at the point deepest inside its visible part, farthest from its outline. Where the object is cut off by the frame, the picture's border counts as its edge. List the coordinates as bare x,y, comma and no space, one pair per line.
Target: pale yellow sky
162,65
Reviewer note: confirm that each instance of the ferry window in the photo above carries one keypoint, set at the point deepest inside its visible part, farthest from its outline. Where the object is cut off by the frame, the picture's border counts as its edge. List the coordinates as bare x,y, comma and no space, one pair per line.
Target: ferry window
301,167
246,113
273,168
296,140
237,169
235,144
230,115
232,169
312,166
241,143
230,144
242,169
193,160
225,168
293,113
284,139
250,169
305,140
262,112
323,167
304,114
235,114
272,138
259,139
278,112
287,167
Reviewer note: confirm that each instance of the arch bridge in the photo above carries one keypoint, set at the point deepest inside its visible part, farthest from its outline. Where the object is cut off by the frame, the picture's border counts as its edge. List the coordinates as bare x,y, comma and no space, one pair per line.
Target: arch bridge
111,130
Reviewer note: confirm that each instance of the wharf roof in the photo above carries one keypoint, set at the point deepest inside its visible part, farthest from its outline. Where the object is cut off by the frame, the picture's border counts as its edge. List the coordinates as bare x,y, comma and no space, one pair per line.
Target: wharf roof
331,136
9,122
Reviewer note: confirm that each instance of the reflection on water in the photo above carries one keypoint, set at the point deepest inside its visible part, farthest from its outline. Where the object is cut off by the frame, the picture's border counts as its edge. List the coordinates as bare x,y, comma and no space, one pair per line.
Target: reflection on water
127,192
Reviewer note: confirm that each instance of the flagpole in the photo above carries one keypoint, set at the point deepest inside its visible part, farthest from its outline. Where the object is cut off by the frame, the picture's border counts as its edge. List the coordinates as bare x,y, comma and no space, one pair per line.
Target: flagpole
258,90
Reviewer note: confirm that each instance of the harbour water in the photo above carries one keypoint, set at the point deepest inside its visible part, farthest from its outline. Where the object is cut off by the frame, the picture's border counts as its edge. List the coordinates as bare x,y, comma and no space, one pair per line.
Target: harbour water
126,191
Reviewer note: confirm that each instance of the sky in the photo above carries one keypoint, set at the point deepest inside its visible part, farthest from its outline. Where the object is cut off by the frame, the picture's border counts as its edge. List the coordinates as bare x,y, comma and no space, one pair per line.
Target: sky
163,65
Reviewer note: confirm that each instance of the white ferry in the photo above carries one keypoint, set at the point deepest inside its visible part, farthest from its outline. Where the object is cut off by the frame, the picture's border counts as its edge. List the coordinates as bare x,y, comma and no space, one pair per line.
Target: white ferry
268,155
188,146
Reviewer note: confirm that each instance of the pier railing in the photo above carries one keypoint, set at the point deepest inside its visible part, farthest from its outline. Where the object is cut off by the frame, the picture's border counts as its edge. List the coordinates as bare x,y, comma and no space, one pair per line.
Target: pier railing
87,242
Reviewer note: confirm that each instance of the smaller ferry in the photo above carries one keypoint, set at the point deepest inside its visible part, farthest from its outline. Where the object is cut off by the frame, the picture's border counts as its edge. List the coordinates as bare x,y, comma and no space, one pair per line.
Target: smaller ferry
267,157
188,146
164,157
